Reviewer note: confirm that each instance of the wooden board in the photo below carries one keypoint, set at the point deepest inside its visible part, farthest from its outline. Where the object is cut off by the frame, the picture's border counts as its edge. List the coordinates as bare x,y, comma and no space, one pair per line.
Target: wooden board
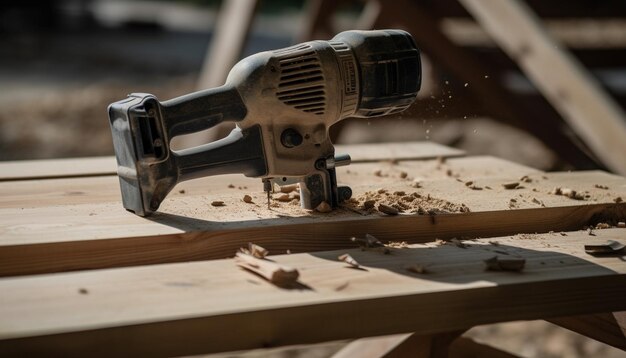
57,168
572,90
97,166
210,306
56,237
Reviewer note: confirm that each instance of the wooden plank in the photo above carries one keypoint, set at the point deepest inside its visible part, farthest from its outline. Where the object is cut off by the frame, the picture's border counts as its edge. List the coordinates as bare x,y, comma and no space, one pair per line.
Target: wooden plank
70,191
57,168
579,98
201,307
73,237
609,328
99,166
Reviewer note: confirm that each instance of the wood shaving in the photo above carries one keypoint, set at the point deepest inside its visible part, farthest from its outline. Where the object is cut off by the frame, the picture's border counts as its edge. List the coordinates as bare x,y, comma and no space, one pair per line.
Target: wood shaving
378,173
368,204
468,183
526,179
386,209
508,264
247,199
217,203
494,243
621,224
349,260
289,188
284,198
231,186
618,199
254,250
510,186
277,274
602,226
324,207
538,202
599,186
403,175
181,191
570,193
398,245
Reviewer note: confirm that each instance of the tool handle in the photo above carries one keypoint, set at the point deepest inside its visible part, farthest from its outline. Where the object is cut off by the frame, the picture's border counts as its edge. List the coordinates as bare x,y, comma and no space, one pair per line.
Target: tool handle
240,152
202,110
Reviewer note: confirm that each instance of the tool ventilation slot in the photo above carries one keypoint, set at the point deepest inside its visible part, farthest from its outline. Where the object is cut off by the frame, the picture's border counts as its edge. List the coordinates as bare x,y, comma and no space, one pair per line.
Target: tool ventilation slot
301,83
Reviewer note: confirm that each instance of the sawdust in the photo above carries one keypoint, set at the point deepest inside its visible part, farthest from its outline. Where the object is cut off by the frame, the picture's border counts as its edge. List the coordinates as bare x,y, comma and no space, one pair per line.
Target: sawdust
599,186
217,203
570,193
403,202
618,199
621,224
526,236
398,245
247,199
349,260
510,186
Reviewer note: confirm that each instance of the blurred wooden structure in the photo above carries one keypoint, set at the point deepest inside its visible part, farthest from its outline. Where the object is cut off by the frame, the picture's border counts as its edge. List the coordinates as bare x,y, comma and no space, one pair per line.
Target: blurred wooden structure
574,117
81,276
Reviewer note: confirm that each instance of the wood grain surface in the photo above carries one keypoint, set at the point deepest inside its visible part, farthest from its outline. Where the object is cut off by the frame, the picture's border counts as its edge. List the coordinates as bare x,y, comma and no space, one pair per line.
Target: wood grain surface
210,306
98,233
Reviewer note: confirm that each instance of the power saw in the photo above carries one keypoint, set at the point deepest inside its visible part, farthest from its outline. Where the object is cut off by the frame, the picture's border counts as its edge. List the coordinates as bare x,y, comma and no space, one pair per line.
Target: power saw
282,102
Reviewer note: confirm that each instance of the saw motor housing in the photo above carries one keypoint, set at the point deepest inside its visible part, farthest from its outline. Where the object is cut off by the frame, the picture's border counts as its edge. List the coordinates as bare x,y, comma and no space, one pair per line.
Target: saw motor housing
283,103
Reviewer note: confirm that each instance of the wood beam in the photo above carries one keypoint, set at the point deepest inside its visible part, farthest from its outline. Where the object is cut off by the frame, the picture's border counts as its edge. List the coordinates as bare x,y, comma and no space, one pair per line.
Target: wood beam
609,328
578,97
211,306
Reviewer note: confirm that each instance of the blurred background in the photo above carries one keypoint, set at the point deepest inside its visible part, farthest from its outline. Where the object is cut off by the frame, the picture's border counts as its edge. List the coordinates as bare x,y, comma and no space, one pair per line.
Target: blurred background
63,62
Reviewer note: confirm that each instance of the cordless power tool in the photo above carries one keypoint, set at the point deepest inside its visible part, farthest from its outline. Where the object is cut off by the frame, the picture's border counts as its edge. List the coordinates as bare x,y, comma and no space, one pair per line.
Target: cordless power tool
283,103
